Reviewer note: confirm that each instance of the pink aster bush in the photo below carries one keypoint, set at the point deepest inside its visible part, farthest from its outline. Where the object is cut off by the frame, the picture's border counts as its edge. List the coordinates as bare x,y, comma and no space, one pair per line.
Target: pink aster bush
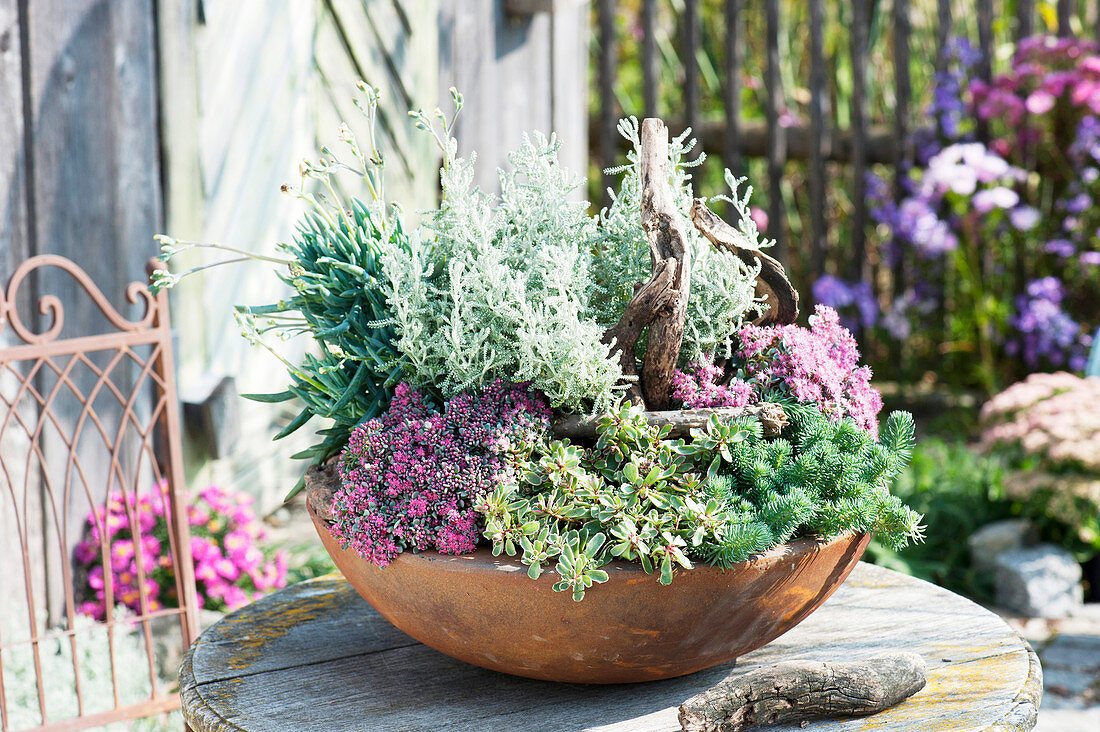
410,479
819,365
700,387
230,569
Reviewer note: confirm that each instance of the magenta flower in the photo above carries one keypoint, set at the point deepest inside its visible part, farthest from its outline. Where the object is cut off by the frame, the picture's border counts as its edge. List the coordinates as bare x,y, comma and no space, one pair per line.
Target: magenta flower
409,480
229,567
819,364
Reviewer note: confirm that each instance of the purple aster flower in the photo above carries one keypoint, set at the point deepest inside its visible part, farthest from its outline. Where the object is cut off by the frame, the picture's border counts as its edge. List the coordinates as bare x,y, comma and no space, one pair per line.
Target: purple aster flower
1090,258
1061,247
1024,218
1000,197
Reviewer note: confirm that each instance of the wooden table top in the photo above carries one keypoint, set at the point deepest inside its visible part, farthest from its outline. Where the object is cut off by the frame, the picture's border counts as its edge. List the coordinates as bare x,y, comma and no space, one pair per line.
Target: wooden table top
315,656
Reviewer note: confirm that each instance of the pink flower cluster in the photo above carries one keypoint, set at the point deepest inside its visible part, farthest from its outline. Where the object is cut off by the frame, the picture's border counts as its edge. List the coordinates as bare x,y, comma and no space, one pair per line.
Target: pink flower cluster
700,388
1052,417
410,479
130,535
1044,69
819,365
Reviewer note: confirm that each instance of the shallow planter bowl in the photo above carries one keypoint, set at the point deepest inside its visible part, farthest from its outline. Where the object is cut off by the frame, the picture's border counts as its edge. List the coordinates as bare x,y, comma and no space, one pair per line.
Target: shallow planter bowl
485,610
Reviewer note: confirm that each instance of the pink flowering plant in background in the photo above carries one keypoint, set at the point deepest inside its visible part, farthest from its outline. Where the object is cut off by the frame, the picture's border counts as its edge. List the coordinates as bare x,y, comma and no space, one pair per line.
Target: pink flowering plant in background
230,568
817,365
1047,429
410,480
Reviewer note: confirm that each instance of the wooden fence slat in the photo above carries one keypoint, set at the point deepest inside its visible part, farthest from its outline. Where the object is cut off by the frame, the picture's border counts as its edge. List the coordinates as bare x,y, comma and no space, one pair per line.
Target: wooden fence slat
1065,12
569,31
985,46
608,112
943,31
858,51
692,30
819,139
777,140
903,93
650,88
735,53
1025,15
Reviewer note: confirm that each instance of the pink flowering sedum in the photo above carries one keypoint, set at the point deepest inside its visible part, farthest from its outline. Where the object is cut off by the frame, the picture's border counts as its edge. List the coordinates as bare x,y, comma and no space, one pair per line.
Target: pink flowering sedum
132,531
819,365
1052,417
699,388
410,479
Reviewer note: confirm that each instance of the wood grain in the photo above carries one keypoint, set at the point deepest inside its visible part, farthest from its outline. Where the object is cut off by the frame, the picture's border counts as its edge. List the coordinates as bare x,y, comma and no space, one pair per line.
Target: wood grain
316,655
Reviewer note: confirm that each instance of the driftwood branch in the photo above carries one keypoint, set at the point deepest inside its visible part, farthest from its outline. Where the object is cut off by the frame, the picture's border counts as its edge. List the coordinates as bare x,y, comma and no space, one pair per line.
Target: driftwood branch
655,296
771,416
797,691
322,482
772,282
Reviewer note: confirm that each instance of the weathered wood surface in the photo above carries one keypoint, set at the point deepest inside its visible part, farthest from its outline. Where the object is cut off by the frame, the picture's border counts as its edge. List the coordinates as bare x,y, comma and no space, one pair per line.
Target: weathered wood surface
317,656
800,691
519,72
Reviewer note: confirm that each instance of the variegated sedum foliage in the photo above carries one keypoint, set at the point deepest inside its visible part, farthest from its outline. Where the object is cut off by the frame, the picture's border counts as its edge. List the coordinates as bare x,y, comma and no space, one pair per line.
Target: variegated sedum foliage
722,286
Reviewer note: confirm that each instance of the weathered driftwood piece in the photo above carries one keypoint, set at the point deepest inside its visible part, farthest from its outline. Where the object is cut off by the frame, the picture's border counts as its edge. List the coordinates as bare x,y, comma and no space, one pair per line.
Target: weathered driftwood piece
653,297
669,258
322,482
771,416
797,691
772,283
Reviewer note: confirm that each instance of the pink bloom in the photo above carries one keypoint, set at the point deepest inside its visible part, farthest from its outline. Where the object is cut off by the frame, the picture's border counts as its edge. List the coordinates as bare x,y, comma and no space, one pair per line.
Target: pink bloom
1040,102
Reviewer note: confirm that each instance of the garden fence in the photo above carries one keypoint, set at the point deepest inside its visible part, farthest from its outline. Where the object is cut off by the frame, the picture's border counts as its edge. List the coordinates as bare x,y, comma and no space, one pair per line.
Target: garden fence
839,92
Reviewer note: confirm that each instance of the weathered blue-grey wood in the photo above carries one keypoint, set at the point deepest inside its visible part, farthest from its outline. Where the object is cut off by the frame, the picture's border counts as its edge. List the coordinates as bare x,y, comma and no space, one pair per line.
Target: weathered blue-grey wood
519,72
316,656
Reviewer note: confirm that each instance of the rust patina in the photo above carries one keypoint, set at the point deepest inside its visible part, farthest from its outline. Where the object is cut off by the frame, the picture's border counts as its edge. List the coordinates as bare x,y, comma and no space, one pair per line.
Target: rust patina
485,610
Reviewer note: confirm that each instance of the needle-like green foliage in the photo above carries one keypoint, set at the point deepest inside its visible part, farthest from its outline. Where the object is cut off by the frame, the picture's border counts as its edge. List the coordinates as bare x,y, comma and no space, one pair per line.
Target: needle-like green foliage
720,497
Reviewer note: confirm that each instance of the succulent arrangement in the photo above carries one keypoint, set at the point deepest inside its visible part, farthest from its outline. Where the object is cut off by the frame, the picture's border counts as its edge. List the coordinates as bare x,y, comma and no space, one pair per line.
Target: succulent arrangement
572,388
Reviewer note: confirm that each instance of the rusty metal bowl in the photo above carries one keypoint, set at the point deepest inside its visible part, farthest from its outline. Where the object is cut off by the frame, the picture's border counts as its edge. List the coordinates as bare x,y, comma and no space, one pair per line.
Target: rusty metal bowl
485,610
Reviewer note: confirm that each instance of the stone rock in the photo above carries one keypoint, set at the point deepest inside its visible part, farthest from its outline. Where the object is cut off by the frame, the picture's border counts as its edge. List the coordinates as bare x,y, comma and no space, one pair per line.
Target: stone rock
1043,581
1068,720
1000,536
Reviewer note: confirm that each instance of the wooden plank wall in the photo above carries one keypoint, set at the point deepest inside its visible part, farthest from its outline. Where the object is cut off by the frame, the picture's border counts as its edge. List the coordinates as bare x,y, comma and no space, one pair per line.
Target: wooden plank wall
139,116
391,45
236,80
80,177
503,62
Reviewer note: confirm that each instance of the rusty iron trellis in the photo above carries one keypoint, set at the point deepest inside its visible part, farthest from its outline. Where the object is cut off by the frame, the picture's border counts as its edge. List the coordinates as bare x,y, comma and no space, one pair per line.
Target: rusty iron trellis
82,417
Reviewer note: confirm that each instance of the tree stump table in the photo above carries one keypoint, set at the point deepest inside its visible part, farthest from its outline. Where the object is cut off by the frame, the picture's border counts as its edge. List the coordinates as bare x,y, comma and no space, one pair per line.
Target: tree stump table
315,656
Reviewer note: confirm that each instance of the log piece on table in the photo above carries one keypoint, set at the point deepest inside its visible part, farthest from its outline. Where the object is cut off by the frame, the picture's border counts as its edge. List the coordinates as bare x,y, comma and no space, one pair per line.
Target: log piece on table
771,416
772,283
665,231
799,691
